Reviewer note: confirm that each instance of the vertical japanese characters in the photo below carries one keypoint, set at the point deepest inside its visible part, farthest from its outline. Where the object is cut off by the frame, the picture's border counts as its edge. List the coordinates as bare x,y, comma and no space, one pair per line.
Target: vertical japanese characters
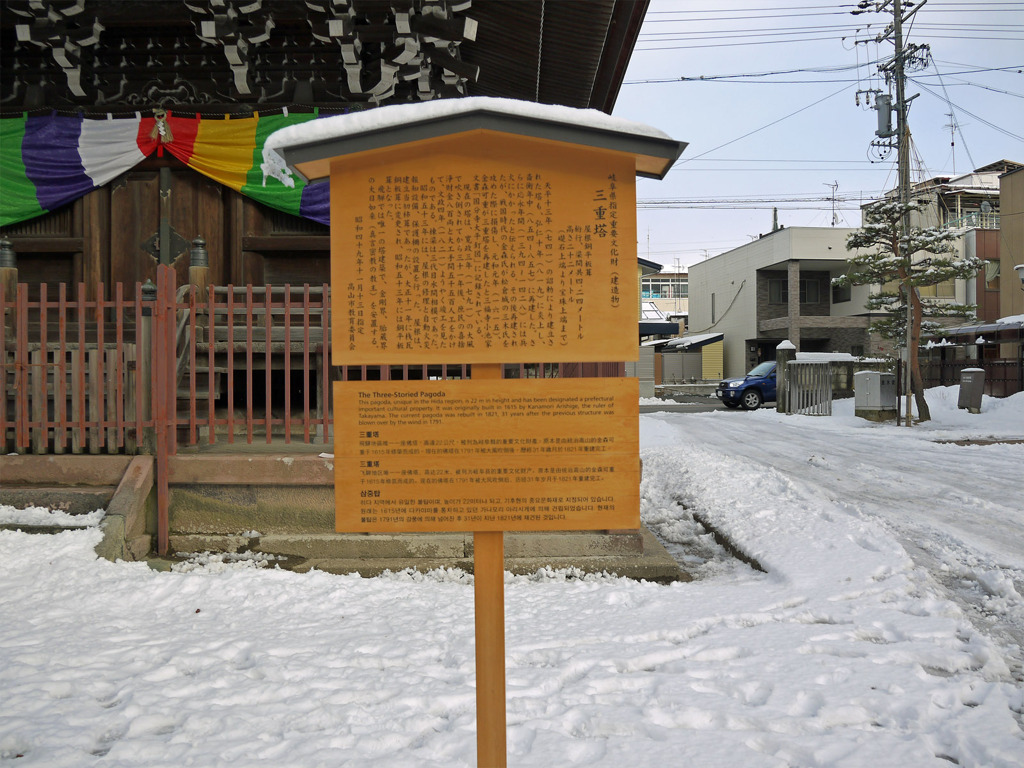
479,260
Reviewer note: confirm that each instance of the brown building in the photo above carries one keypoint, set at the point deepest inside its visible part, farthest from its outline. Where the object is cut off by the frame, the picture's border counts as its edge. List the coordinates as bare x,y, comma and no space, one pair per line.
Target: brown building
1011,243
178,69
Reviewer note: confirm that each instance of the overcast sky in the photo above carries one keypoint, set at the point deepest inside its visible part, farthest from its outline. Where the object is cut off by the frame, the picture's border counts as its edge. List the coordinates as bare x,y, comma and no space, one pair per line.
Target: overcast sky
775,119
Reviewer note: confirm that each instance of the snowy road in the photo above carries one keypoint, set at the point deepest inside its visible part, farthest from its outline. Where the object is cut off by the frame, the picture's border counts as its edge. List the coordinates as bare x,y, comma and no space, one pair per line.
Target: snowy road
918,484
957,509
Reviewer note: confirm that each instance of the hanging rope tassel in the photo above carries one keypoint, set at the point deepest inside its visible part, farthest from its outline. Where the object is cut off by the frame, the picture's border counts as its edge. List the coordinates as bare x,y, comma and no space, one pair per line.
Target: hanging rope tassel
161,131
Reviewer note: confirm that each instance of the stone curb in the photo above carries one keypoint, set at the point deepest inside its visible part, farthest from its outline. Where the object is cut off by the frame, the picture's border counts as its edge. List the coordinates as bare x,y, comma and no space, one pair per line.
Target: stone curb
124,524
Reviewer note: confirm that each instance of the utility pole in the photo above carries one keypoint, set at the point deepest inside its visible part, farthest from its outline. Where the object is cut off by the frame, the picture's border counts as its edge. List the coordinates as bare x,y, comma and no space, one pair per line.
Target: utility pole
895,71
903,166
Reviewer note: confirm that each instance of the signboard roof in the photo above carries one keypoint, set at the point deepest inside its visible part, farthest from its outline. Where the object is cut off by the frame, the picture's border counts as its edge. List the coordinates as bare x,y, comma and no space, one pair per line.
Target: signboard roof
304,148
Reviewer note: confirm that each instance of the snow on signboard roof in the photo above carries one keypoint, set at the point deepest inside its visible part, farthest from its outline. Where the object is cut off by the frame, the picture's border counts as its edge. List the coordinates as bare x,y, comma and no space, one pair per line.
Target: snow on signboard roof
287,147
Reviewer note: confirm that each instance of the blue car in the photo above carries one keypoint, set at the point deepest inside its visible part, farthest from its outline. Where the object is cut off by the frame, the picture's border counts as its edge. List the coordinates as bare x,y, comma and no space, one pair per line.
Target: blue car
749,392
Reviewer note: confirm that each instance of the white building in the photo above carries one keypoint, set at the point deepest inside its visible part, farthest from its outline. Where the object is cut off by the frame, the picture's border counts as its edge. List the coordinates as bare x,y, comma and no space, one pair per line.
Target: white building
668,290
779,287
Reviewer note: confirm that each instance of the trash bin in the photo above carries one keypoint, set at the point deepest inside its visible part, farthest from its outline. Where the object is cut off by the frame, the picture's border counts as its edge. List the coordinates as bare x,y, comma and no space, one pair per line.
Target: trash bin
874,395
972,387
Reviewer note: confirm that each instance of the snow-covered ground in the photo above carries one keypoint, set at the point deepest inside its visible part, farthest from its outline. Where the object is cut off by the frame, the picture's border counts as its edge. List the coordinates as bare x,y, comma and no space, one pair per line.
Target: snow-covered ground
885,630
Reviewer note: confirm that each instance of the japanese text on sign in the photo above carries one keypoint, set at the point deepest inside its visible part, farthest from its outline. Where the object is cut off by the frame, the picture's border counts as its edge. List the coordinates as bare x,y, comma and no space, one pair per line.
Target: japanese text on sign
479,455
484,260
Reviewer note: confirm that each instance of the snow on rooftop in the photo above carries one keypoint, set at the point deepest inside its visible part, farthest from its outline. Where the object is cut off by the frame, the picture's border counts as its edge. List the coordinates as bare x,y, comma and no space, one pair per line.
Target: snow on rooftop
381,118
826,356
686,341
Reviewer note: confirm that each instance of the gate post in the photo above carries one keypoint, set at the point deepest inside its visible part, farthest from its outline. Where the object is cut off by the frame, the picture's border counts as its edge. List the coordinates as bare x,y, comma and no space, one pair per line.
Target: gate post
785,352
8,270
164,387
147,440
8,285
8,317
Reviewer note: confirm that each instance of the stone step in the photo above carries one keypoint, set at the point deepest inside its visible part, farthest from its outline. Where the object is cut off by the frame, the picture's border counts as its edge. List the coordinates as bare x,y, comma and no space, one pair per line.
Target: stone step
412,545
635,554
75,500
82,483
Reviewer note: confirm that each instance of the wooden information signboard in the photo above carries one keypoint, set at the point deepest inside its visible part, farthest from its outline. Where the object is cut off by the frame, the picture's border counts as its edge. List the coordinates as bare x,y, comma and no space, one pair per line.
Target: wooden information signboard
528,455
472,234
484,247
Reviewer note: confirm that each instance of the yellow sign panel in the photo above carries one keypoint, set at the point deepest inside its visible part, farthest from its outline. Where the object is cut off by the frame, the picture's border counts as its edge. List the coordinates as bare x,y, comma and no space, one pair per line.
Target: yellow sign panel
480,247
486,455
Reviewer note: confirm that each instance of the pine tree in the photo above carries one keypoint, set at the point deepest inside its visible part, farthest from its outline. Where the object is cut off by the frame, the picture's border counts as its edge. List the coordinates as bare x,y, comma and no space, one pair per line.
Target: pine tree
921,257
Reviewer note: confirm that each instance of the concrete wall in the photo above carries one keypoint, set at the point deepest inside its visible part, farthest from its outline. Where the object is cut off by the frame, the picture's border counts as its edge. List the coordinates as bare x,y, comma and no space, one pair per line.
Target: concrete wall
730,279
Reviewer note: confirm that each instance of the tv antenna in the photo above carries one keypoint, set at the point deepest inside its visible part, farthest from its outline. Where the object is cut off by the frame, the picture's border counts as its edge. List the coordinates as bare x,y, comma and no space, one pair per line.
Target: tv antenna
835,187
952,137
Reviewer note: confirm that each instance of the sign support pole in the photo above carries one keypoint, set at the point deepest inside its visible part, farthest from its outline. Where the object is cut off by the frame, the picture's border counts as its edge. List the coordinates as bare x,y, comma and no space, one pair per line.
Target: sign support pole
489,587
489,606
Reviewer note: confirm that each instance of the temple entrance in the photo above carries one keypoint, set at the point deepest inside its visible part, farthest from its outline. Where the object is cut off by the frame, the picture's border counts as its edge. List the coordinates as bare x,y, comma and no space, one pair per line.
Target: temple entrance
155,213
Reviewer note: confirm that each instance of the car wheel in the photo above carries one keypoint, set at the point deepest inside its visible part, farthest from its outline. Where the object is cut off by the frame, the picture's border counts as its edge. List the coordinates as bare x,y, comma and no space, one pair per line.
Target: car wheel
730,405
751,400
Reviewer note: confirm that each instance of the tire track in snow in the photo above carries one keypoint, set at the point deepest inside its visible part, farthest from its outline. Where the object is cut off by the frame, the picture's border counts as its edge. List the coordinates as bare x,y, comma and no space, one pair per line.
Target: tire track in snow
955,509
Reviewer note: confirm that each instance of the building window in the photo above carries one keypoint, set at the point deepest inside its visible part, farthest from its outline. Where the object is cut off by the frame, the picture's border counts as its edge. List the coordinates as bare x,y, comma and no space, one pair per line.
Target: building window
810,292
778,291
665,287
712,309
943,290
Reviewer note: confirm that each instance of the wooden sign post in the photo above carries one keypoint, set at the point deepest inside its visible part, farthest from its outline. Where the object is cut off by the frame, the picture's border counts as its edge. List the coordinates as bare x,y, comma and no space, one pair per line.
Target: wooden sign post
489,620
470,232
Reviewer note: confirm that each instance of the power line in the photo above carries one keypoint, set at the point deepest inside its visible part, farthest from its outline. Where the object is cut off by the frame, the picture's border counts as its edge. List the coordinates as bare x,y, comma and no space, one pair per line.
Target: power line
740,77
783,160
742,41
732,45
763,205
955,124
763,127
791,30
970,6
813,201
985,88
877,168
945,100
704,34
741,14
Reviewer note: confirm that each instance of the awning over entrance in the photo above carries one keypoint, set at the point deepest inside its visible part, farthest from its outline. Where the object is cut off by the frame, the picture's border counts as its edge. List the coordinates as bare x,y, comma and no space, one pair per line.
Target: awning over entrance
1008,329
693,343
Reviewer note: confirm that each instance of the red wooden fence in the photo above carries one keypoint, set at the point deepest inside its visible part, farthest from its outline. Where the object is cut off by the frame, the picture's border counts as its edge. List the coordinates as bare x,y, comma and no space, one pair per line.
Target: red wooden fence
109,375
73,374
139,371
145,371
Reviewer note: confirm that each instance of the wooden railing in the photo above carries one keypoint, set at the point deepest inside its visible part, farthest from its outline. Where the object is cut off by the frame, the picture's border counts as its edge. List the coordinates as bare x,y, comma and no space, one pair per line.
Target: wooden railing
254,362
103,375
72,372
228,364
147,371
